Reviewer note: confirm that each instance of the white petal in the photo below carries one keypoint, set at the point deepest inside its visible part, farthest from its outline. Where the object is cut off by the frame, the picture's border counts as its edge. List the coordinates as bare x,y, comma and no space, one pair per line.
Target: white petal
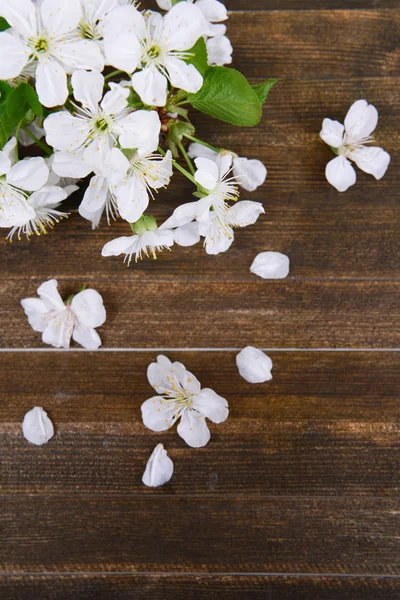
159,172
59,16
249,173
21,15
97,153
49,196
332,133
199,151
271,265
207,173
86,337
88,307
159,468
158,414
211,405
115,100
66,132
182,215
48,292
37,427
59,330
119,164
218,238
244,213
14,209
224,163
183,76
94,200
374,161
151,87
83,54
361,120
122,52
7,156
118,246
30,174
254,365
219,50
13,56
88,88
132,198
165,4
184,24
162,376
124,20
71,164
213,10
340,173
187,235
51,83
35,309
193,429
140,130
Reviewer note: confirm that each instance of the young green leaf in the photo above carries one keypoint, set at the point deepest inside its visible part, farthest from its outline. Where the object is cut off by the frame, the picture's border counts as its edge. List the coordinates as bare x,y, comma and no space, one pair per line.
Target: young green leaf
3,24
227,95
262,89
5,91
175,2
21,100
198,56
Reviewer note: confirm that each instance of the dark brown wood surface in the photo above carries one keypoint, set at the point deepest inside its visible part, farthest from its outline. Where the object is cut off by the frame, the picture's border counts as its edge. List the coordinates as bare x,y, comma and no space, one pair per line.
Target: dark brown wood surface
296,497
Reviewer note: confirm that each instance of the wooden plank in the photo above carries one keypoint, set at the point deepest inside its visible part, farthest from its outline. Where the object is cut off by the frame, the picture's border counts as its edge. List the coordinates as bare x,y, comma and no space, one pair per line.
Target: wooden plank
269,5
182,314
265,535
325,425
197,587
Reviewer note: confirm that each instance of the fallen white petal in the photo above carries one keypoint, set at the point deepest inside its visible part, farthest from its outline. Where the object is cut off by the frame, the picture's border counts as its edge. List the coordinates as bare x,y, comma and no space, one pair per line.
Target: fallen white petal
37,427
271,265
254,365
159,468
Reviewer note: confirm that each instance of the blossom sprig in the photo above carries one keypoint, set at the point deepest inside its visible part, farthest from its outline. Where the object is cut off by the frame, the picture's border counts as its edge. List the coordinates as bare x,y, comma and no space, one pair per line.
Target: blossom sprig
104,91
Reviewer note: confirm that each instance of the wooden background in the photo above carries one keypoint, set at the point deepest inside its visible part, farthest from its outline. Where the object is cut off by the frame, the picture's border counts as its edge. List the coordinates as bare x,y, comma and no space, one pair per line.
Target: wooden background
297,494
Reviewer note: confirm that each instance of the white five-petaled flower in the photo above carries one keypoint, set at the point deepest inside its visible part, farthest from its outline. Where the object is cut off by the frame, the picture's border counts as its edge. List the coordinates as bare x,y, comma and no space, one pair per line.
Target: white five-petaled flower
45,204
58,321
86,138
249,173
43,41
214,216
179,396
158,46
16,180
147,243
349,142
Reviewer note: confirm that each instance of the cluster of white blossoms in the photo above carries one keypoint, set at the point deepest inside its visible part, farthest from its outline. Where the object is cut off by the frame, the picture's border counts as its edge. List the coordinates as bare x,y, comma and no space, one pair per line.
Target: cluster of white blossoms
103,90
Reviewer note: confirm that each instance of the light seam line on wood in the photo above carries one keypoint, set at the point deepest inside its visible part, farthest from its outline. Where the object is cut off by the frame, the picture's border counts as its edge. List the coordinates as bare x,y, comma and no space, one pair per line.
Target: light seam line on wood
9,350
195,573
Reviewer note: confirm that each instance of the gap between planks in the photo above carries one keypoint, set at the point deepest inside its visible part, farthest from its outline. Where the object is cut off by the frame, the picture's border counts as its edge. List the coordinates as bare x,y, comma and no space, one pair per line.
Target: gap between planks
196,574
9,350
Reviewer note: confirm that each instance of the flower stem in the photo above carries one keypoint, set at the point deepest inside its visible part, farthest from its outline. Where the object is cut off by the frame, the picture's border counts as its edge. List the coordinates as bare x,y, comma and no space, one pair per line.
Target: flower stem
193,139
41,145
181,169
113,74
186,157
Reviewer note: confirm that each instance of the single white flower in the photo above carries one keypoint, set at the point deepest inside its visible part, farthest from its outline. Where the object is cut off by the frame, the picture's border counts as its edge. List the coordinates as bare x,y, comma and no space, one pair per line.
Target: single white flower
45,204
271,265
219,51
249,173
158,45
43,40
16,181
349,142
159,468
86,138
58,321
254,365
148,243
180,397
37,427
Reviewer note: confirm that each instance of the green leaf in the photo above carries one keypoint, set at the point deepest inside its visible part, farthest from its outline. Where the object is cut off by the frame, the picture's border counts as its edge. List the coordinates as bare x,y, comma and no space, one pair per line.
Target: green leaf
227,95
199,57
3,24
175,2
176,132
262,89
33,100
134,100
21,100
5,91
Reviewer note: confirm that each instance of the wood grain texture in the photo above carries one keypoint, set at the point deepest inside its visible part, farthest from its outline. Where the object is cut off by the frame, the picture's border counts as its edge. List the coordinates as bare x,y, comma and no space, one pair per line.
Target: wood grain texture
237,535
197,587
186,314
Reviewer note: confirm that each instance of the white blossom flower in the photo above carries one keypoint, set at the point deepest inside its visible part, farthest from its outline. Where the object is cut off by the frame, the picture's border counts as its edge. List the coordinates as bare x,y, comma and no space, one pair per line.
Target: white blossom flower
148,243
249,173
159,468
219,51
180,397
85,139
349,142
44,39
45,203
58,321
158,45
271,265
16,180
37,427
91,25
215,217
254,365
